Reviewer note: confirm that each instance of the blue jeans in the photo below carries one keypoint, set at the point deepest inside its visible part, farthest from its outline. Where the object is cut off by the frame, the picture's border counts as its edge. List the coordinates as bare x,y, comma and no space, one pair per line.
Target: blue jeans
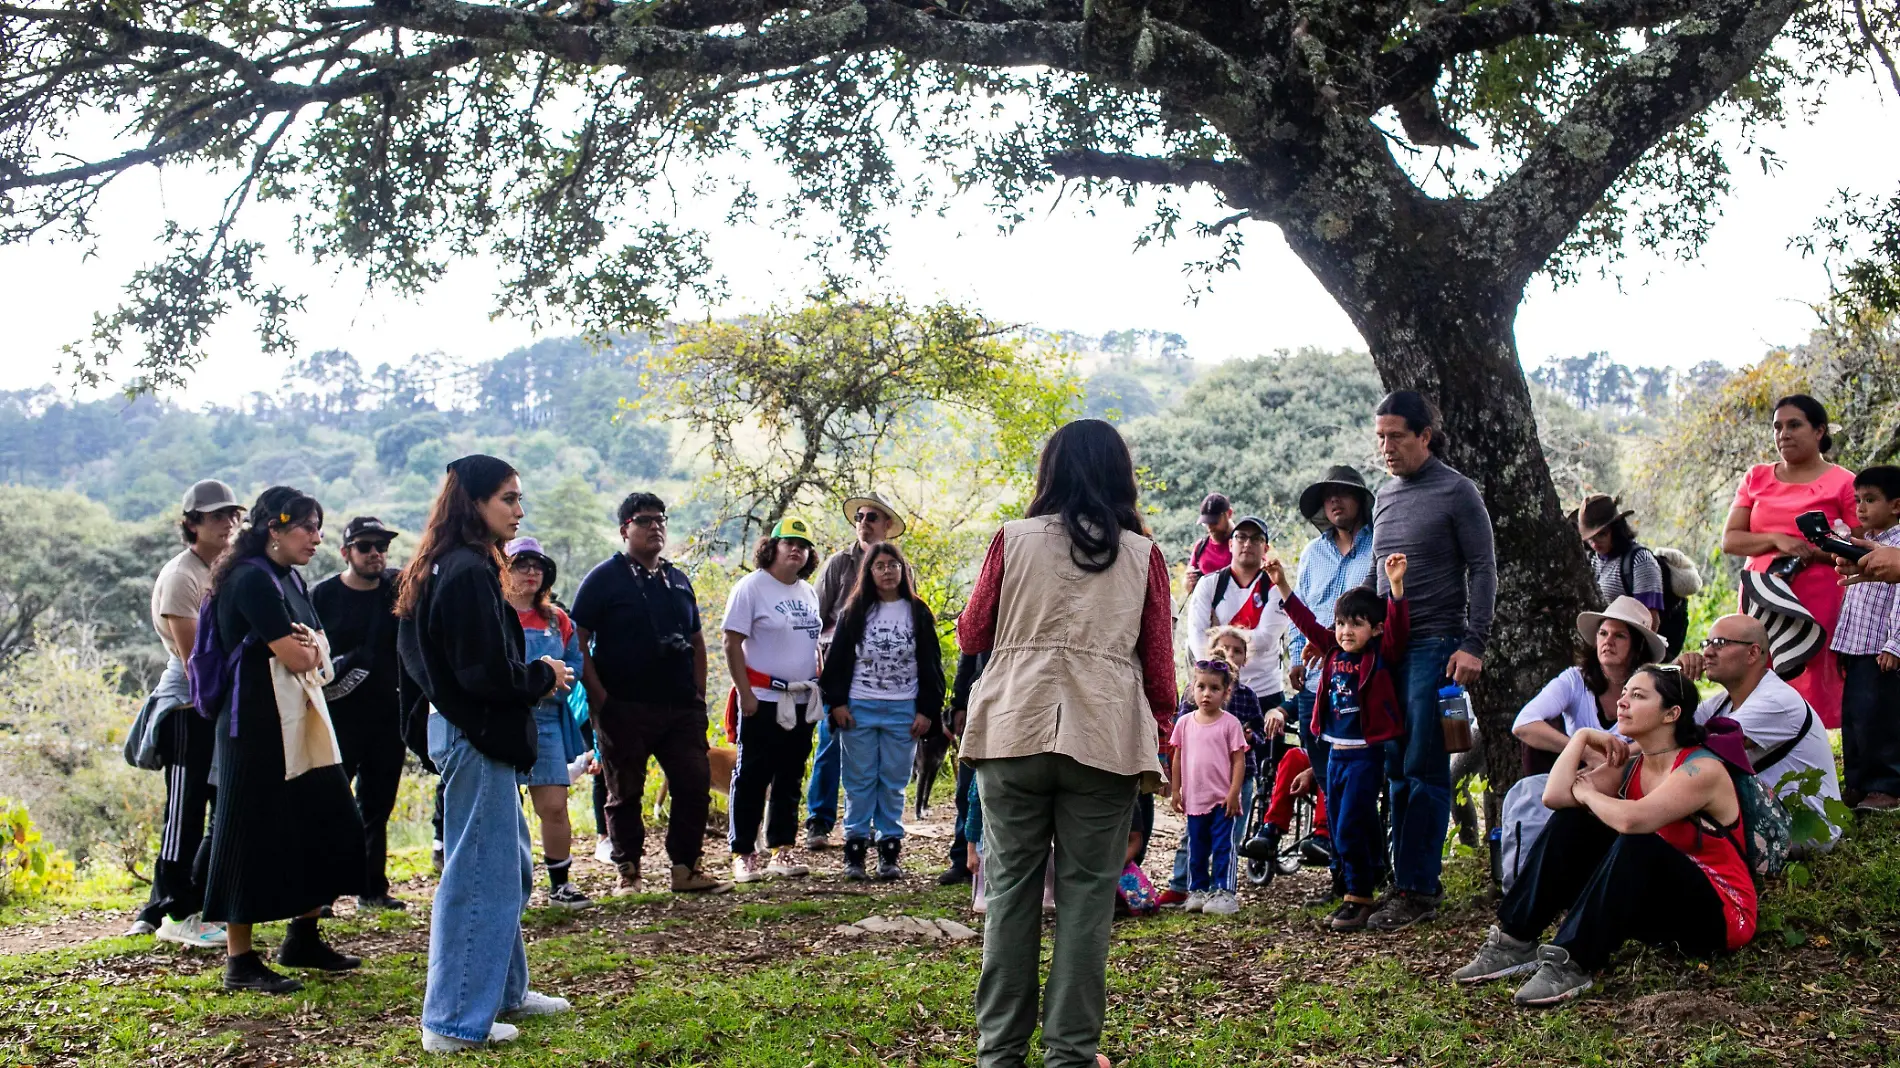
1352,800
876,766
1210,839
1178,878
1419,771
821,794
478,966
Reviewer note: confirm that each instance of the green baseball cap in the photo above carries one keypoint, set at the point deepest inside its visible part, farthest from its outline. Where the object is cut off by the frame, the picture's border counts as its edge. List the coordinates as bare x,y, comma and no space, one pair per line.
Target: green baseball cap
794,527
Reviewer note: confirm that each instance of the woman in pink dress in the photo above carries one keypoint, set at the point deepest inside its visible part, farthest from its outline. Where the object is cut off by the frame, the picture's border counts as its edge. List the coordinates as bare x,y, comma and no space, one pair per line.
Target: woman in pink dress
1761,527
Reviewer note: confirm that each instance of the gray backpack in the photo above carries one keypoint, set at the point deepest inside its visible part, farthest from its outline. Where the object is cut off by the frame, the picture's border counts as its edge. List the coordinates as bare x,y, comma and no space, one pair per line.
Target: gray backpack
1521,820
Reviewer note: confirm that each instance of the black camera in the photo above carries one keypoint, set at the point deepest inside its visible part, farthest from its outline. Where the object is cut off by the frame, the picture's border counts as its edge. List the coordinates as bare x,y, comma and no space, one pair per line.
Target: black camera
1820,534
675,645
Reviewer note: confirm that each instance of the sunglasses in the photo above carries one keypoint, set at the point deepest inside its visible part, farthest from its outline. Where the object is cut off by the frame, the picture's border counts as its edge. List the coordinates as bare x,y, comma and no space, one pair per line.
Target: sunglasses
1218,667
370,546
1710,645
868,516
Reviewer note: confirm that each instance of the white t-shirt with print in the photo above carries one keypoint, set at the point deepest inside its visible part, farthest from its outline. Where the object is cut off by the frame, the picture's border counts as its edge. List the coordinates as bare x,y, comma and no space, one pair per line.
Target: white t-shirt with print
887,656
1773,714
780,625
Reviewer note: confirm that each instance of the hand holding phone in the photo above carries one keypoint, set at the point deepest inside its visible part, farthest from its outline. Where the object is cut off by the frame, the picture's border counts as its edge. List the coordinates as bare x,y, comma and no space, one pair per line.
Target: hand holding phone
1820,534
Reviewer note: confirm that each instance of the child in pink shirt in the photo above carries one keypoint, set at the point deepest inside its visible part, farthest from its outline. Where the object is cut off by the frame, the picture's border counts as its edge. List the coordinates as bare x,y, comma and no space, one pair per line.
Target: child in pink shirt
1210,754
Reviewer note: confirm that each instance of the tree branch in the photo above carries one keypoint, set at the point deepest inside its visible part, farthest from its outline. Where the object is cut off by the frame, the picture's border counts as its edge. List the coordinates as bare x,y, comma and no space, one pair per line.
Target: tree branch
1148,170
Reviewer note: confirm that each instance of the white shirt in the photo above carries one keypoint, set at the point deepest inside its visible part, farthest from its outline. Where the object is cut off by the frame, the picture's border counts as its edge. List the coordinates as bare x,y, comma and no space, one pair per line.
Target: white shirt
780,625
1262,671
1773,714
1566,698
886,668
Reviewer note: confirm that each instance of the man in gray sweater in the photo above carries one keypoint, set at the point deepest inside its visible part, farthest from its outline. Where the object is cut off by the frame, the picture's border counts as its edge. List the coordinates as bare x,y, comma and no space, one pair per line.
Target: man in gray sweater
1437,518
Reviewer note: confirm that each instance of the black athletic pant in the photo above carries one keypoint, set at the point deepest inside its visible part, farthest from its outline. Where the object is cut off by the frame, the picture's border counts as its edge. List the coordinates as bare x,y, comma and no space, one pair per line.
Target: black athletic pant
1617,887
629,732
771,760
600,781
373,751
1870,726
184,850
960,843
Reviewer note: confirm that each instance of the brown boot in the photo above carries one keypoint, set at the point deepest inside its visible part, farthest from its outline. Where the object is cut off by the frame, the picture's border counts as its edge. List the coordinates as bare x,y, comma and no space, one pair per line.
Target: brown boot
1877,802
629,881
693,881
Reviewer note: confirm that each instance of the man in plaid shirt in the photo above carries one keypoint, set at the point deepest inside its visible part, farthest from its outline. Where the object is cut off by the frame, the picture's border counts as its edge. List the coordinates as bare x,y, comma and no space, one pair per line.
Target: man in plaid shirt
1867,646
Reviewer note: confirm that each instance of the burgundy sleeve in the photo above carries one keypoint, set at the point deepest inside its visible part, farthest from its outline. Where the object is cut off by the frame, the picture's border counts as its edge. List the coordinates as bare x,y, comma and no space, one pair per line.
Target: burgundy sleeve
976,627
1155,648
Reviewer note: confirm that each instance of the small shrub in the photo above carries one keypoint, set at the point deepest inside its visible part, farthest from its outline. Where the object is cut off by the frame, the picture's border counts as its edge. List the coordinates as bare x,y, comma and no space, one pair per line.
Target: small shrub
28,869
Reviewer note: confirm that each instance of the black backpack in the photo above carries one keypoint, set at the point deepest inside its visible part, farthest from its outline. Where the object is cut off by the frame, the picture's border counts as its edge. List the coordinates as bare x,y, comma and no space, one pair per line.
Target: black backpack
1675,609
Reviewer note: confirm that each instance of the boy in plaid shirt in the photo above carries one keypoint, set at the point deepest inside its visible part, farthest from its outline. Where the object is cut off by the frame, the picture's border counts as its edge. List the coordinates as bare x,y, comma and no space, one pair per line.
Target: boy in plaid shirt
1867,647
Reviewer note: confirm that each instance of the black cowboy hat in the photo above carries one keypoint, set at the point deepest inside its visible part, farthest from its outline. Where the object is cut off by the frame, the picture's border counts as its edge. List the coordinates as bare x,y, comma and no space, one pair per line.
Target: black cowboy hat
1313,497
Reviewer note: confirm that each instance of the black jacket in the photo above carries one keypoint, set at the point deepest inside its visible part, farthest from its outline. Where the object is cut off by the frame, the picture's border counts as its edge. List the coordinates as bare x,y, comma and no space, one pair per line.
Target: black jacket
841,662
463,645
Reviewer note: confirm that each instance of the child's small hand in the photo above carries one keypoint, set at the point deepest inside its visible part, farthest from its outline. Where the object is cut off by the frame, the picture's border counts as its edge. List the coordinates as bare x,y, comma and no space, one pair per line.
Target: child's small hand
1233,803
1302,783
1174,802
1395,568
1887,662
1276,571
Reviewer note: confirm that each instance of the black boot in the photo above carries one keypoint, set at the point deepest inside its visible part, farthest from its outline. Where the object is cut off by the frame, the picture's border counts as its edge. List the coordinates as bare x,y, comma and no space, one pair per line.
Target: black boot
887,852
247,971
304,948
854,850
1264,845
958,873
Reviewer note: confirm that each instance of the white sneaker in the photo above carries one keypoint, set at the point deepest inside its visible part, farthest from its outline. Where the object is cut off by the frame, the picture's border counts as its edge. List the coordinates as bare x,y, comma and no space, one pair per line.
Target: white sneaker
604,851
1197,900
192,932
536,1004
786,866
749,868
1221,903
139,929
497,1032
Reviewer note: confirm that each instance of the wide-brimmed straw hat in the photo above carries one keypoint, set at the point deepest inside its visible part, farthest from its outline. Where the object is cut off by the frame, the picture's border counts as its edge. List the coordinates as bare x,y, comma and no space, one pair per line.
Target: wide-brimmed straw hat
1599,510
1631,613
873,499
1338,476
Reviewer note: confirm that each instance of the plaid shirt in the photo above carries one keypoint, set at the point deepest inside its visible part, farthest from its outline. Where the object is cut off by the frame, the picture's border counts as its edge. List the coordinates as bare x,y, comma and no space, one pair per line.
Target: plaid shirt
1870,613
1324,575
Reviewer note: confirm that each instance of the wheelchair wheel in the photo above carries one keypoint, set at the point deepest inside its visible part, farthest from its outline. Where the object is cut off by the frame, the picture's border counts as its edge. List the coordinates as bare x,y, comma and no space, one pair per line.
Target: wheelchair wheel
1261,872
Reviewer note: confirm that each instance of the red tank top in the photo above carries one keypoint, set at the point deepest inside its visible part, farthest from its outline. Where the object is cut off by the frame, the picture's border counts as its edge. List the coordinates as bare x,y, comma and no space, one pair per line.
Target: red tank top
1717,856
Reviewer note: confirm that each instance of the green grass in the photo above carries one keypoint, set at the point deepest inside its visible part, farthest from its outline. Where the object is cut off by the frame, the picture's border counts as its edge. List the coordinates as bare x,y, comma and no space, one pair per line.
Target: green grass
759,978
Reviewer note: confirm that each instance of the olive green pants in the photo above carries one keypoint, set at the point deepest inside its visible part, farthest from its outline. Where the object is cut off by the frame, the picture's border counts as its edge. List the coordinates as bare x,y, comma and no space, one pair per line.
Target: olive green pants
1028,802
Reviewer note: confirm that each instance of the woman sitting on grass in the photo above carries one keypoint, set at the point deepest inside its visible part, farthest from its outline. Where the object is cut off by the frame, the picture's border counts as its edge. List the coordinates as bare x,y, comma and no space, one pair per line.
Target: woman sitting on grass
1644,843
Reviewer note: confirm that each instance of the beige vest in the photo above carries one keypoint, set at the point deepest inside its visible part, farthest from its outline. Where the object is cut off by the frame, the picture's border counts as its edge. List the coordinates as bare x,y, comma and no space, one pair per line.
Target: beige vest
1062,676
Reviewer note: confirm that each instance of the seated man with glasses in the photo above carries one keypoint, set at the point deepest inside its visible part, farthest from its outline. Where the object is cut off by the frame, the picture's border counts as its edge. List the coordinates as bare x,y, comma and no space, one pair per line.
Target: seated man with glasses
1784,735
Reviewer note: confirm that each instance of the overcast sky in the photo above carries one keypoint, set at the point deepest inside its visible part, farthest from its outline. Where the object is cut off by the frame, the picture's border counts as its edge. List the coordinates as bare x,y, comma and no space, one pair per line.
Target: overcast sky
1063,269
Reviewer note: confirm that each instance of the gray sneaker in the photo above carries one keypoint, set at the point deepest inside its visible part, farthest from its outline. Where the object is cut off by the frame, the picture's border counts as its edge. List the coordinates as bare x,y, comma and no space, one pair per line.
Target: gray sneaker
1557,981
1501,955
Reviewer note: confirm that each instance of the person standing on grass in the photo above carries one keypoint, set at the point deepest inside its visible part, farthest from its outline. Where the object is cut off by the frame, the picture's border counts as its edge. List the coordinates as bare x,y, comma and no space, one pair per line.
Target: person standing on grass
287,839
968,669
875,521
1210,759
1214,551
1867,646
181,739
1230,645
644,665
883,681
528,585
357,607
772,633
1436,518
464,646
1072,604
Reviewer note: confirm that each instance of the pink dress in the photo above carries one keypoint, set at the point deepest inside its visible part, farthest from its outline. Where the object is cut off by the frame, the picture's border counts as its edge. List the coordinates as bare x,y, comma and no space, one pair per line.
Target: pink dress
1772,506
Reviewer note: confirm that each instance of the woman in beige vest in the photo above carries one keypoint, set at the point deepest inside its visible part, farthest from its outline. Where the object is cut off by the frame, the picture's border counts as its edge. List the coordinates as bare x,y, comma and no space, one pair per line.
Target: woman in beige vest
1064,727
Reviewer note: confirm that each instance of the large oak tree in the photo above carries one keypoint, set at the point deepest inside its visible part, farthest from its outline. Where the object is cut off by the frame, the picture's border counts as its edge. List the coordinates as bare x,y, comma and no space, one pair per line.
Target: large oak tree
1425,159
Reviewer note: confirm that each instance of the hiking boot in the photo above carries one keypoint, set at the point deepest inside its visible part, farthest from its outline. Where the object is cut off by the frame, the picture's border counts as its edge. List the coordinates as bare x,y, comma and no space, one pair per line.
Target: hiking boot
854,851
1501,955
303,947
249,972
888,850
958,873
1558,980
382,903
1350,916
139,929
749,868
785,864
1403,910
569,896
1877,802
536,1004
817,839
1171,898
1262,846
497,1033
628,881
693,881
1196,901
192,932
1221,903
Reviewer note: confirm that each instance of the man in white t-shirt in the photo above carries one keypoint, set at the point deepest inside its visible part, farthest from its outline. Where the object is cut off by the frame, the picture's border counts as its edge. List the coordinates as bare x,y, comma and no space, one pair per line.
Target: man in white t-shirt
1244,601
1783,734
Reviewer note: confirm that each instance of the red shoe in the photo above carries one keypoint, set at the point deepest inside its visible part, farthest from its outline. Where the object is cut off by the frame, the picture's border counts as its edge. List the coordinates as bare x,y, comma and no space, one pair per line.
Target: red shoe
1171,899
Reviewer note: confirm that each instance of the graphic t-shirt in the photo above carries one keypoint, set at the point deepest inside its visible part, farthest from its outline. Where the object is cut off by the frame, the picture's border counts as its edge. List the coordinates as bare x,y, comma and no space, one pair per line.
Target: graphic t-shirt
1207,754
179,591
887,656
780,625
1343,727
350,620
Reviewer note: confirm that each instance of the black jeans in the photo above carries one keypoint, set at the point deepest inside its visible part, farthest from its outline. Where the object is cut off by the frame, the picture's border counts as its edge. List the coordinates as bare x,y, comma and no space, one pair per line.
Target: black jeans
184,852
1617,887
771,760
960,843
373,753
629,732
1870,726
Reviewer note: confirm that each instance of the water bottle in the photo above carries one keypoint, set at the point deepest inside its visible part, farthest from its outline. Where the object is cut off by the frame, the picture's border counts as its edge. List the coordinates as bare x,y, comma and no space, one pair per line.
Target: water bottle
1454,715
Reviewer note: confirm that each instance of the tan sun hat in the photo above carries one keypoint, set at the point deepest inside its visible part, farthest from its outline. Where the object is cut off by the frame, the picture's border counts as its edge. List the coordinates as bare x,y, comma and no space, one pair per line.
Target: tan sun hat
1631,613
873,499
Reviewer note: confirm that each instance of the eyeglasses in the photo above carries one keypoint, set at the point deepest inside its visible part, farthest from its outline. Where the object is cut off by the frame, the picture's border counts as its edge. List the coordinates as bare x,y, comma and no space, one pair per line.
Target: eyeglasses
1249,536
1710,645
648,520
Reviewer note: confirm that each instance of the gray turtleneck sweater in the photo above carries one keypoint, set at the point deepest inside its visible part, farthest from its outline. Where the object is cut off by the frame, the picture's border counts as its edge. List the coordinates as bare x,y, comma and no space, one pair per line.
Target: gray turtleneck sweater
1438,520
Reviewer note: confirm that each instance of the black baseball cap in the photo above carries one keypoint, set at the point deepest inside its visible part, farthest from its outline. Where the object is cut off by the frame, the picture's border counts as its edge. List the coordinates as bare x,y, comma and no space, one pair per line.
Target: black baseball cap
366,528
1215,505
1256,522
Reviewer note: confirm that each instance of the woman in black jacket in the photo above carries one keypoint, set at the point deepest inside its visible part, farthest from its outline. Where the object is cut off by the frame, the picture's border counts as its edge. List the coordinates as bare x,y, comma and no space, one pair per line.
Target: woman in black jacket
883,681
463,645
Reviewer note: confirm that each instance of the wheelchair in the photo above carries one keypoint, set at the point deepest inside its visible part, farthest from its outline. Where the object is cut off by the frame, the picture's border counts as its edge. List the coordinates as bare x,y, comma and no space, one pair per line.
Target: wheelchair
1300,844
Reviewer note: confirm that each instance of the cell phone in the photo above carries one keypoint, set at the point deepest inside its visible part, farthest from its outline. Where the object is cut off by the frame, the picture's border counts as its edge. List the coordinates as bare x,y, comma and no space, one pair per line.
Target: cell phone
1820,534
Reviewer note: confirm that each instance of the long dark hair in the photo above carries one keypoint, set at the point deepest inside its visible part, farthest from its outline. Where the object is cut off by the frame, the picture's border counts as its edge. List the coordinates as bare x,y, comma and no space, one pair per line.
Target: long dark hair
1675,690
1087,477
276,508
1595,679
455,520
1810,409
857,607
1419,414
